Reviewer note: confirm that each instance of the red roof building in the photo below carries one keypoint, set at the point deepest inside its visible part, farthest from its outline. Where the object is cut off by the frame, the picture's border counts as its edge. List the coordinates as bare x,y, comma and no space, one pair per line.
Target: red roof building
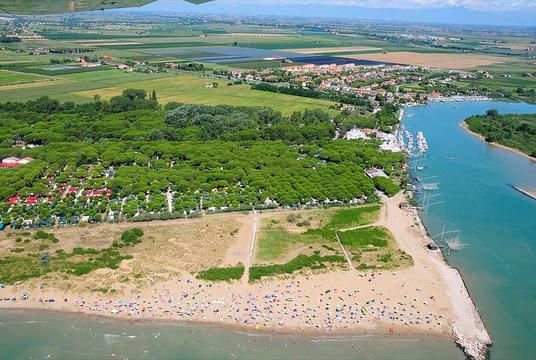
13,200
4,165
32,200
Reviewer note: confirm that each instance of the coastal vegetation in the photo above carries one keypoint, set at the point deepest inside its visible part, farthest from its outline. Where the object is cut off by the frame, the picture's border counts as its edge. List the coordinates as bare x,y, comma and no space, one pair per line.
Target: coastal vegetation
222,273
308,230
33,258
517,131
373,247
312,234
300,262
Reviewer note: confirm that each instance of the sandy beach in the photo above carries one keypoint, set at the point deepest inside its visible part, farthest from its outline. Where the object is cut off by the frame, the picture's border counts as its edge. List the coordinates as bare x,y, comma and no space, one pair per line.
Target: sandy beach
427,298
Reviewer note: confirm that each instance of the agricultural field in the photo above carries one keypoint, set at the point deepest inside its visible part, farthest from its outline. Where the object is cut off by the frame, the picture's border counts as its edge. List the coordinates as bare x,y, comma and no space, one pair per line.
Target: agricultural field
12,77
192,90
437,61
81,87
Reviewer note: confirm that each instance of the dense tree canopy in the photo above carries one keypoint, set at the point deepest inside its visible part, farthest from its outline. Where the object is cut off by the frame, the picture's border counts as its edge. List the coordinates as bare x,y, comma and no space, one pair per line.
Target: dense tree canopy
517,131
194,157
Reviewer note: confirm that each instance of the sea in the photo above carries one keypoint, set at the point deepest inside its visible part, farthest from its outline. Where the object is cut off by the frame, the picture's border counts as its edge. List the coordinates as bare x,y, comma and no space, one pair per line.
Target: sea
474,195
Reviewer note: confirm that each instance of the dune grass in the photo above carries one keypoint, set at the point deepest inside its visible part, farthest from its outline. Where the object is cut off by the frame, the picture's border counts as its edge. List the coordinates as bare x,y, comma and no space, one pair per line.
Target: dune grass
363,237
29,264
275,242
222,273
351,217
300,262
374,247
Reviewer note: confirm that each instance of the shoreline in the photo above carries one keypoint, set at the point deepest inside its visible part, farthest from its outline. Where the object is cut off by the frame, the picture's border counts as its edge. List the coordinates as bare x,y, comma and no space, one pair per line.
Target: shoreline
470,334
469,331
427,298
404,301
380,331
464,126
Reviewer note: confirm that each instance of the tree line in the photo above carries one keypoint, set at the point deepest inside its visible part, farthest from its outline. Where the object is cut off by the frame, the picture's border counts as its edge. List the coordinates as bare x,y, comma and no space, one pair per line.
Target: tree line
310,93
517,131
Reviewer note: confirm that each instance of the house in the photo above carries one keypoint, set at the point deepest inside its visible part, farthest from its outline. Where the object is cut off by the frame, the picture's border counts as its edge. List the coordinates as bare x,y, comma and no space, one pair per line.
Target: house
384,136
13,200
391,145
347,108
373,172
9,165
25,160
32,200
11,160
355,134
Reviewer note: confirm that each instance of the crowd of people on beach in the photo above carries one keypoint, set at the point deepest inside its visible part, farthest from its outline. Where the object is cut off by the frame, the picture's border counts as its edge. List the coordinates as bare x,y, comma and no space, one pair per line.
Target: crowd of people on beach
295,303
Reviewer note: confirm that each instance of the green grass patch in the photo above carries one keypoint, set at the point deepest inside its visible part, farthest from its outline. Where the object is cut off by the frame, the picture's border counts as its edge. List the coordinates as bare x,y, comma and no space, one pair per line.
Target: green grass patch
43,235
373,235
21,268
12,78
222,273
275,242
358,216
300,262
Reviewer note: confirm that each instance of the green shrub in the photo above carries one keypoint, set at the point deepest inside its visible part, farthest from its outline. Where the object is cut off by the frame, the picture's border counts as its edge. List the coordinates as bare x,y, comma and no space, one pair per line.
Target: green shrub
298,263
131,236
222,273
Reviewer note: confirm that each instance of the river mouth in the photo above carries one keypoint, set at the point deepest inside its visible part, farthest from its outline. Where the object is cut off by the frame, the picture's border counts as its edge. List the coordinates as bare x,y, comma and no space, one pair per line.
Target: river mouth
498,266
496,221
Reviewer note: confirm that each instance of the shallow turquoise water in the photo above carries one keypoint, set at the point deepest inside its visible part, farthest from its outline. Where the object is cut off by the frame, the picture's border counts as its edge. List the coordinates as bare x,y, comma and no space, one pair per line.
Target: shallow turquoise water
498,223
35,335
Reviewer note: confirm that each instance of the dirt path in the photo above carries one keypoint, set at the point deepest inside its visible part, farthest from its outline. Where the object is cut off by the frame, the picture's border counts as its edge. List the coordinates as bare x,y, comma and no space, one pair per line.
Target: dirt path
350,265
169,196
249,261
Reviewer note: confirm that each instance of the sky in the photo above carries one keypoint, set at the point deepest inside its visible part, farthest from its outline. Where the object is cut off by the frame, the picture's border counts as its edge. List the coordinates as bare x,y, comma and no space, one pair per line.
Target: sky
493,12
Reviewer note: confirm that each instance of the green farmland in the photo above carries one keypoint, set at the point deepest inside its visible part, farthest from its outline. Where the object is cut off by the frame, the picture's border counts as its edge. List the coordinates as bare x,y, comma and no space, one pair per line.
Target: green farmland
82,87
12,77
